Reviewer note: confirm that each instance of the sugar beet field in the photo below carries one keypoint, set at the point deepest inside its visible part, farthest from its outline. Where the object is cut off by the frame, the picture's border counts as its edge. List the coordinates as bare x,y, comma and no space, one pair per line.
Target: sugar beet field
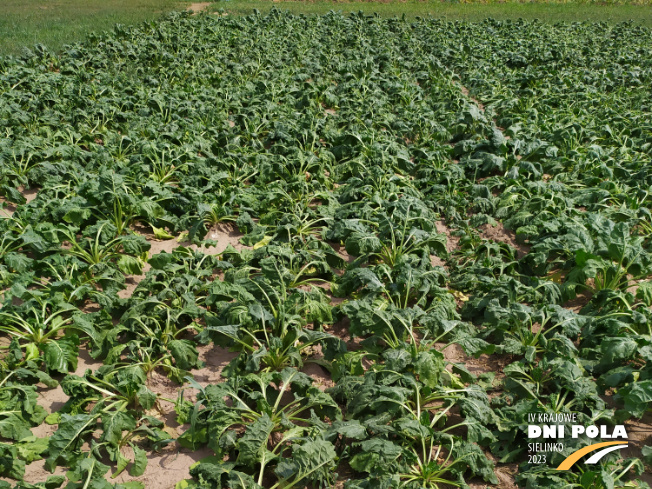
326,251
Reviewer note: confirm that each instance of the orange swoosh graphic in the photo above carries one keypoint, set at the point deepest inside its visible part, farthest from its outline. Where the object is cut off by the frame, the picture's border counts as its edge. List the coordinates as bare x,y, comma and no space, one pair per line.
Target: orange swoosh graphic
575,456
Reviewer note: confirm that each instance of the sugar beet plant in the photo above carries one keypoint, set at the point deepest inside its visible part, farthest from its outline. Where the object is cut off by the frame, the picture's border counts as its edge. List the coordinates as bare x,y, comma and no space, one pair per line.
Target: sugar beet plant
437,230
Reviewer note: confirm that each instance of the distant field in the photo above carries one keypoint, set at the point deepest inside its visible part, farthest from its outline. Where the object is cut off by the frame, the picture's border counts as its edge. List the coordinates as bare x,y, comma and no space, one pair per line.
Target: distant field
548,12
54,23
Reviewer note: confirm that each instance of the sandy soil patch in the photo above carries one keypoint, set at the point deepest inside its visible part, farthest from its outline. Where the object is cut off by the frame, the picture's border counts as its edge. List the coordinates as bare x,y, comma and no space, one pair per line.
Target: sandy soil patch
216,358
435,261
7,209
197,7
452,242
166,468
171,463
639,432
53,399
224,234
581,300
483,364
502,235
341,251
321,376
466,93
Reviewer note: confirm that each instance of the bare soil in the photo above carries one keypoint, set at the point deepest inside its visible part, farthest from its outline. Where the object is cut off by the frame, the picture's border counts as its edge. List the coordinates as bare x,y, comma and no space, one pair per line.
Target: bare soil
7,209
216,358
465,92
341,250
319,374
502,235
198,7
452,242
224,234
53,399
435,261
581,300
166,468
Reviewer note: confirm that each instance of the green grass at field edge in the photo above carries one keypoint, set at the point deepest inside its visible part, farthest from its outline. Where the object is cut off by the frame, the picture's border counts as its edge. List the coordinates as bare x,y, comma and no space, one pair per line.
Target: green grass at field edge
546,12
54,23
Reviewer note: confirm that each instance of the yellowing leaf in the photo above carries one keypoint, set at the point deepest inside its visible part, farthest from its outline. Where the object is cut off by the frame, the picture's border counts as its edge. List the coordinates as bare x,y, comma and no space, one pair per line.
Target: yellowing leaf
263,242
459,295
161,233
